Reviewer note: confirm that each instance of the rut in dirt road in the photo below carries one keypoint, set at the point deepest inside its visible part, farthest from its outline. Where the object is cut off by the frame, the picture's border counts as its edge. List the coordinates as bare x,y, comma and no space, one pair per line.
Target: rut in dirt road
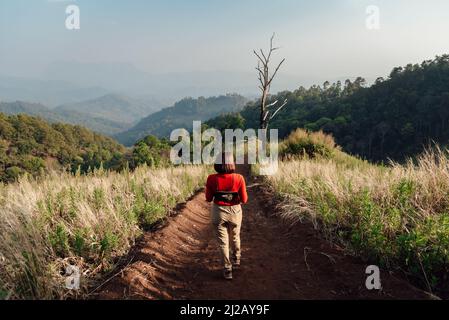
279,261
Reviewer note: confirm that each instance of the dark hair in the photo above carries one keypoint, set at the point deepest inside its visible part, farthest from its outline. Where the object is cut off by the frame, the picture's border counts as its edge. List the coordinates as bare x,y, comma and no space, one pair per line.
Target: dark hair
225,163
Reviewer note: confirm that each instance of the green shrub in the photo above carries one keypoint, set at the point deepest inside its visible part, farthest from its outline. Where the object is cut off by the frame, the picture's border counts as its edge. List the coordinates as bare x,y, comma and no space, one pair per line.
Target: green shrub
13,173
307,144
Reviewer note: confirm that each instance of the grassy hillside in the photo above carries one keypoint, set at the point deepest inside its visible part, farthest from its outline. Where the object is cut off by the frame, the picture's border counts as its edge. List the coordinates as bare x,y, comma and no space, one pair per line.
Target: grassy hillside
88,221
394,118
396,216
94,123
29,144
181,115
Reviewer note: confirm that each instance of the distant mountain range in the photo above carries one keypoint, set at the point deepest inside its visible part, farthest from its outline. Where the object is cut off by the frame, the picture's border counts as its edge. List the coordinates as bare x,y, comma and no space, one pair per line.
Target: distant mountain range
181,115
128,119
108,114
66,82
113,107
47,92
169,86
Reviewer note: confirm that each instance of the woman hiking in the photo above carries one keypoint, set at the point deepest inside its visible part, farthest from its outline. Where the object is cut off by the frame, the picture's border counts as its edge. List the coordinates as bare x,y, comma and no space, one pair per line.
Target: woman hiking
227,190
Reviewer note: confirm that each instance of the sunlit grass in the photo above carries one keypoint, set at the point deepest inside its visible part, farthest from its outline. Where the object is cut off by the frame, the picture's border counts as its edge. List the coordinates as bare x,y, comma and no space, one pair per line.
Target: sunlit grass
83,220
395,215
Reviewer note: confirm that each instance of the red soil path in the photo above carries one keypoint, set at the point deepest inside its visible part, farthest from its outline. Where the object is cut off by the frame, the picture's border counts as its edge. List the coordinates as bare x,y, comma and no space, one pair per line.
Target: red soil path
279,261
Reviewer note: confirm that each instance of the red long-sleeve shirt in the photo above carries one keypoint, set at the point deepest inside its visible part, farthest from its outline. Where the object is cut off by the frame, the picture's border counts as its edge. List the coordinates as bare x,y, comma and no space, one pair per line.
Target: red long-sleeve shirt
230,182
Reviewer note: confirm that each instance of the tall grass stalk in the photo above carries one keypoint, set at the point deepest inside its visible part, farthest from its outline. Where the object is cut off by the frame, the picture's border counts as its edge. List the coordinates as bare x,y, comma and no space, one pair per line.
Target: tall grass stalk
396,215
87,221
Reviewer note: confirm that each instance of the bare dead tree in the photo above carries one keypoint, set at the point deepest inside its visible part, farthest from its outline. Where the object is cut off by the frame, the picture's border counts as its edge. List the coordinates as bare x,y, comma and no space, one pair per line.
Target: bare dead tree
265,79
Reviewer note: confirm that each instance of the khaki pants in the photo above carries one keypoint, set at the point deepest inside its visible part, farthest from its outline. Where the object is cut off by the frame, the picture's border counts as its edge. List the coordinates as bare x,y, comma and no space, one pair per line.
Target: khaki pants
227,221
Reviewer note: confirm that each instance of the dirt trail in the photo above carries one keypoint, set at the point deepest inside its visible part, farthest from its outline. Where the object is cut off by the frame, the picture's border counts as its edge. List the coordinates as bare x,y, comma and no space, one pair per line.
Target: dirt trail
279,261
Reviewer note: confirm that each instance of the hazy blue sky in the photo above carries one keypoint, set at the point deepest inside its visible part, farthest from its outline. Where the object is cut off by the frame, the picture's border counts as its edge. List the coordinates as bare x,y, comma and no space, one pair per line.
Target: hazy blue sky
320,38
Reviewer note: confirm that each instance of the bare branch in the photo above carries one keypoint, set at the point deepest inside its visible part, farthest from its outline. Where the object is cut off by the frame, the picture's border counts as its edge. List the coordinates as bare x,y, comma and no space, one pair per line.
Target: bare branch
263,55
271,46
265,79
271,40
258,56
260,77
260,70
279,109
266,115
272,104
269,54
275,71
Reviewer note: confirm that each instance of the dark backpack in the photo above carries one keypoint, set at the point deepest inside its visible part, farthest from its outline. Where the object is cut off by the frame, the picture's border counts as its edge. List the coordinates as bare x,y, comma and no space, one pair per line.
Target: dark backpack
226,196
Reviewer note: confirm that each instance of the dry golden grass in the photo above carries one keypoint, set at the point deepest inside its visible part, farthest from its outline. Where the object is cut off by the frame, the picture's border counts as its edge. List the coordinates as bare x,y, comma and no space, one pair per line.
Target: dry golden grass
396,215
84,220
318,137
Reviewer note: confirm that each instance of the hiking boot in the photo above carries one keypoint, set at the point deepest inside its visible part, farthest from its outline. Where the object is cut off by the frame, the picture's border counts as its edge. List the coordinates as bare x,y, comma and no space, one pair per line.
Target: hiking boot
236,263
227,274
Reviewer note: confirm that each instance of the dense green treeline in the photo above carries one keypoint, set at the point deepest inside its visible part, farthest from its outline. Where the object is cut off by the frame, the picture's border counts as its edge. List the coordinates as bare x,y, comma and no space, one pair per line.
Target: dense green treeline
394,118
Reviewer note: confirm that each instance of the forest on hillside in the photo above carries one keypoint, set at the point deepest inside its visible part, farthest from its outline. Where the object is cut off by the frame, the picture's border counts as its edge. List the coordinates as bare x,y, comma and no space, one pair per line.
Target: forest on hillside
31,145
34,146
395,118
181,115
